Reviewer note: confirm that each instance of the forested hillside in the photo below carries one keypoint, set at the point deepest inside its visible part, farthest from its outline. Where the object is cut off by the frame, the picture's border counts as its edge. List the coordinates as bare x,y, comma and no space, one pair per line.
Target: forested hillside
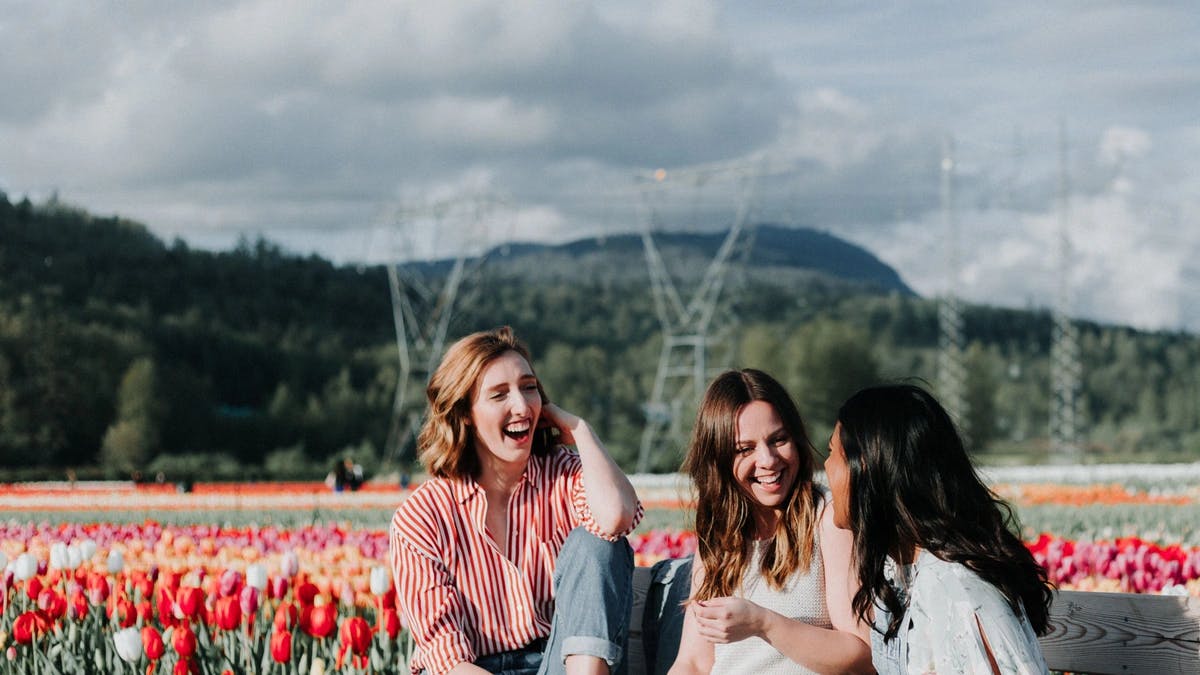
121,353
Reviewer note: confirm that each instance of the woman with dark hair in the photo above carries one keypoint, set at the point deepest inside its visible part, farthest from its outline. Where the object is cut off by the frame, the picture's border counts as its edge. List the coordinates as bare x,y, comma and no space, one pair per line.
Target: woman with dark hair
952,589
771,584
512,557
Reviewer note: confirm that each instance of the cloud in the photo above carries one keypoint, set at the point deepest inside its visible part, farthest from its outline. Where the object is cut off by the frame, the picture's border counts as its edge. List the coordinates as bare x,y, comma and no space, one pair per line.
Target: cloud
311,122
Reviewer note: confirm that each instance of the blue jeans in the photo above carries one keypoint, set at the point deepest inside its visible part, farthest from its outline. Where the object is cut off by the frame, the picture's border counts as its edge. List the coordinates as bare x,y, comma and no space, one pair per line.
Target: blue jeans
593,596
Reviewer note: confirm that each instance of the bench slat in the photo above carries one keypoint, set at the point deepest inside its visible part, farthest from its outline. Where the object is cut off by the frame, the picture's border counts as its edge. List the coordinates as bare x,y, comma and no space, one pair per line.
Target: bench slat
1090,632
1123,633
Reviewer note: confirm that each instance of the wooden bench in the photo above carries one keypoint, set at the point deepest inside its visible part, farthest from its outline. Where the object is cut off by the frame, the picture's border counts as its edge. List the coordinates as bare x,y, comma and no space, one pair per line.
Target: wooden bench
1090,632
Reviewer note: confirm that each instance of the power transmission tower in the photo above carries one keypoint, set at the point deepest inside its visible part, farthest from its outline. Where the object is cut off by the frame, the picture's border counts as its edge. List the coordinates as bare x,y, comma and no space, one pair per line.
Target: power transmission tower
423,306
1066,370
951,371
682,365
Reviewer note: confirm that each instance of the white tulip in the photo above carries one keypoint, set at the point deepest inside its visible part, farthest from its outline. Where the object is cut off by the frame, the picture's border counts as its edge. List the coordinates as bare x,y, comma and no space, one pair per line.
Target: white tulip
290,564
129,644
87,549
381,580
116,561
3,561
74,556
25,567
58,555
256,576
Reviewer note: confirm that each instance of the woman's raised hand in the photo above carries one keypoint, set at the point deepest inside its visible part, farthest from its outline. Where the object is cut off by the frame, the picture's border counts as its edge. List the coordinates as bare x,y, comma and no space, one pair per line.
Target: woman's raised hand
568,424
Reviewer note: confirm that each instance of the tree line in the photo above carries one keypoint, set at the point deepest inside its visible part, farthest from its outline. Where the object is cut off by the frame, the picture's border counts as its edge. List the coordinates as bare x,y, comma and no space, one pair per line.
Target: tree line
121,353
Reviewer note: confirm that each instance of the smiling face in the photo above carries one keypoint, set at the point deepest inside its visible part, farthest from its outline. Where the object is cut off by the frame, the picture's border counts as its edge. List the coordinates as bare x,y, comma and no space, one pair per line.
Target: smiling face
837,472
766,460
505,408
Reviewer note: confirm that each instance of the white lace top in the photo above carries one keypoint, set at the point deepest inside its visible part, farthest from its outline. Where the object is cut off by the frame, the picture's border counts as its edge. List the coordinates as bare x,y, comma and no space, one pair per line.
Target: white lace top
942,637
802,598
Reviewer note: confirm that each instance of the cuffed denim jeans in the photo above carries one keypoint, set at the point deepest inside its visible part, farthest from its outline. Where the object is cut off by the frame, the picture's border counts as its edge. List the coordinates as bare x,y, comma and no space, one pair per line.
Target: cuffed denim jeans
593,594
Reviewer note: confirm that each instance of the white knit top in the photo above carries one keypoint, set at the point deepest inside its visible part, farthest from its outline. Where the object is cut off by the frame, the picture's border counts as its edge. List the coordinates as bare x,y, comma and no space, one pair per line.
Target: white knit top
802,598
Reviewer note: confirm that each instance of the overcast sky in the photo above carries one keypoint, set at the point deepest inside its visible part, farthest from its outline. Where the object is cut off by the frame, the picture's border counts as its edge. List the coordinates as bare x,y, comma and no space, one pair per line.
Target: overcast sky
321,125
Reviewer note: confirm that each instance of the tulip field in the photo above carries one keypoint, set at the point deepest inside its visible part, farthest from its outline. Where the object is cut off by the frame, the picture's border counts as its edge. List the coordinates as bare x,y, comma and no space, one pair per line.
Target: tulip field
292,579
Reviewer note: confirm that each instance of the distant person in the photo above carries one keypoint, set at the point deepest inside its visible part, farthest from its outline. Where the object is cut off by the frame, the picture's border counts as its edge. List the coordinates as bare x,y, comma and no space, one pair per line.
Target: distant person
951,588
772,582
352,475
337,479
512,556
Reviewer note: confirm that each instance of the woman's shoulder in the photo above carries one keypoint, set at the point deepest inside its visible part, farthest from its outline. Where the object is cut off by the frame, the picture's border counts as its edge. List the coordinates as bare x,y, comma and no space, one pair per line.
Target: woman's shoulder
952,582
430,497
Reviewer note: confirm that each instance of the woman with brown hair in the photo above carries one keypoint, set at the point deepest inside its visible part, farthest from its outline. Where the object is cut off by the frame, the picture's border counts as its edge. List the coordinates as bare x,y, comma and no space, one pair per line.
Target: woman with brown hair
772,581
512,558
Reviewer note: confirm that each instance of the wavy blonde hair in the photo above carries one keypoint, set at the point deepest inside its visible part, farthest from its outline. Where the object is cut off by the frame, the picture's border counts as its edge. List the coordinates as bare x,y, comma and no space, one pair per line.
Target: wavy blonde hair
724,511
446,440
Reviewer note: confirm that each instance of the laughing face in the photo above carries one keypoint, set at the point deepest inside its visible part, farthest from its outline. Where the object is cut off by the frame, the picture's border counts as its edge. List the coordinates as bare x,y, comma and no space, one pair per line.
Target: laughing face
505,408
766,460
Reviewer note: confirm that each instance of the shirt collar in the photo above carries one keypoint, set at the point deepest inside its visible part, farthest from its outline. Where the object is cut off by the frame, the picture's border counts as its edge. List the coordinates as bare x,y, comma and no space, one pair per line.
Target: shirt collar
466,487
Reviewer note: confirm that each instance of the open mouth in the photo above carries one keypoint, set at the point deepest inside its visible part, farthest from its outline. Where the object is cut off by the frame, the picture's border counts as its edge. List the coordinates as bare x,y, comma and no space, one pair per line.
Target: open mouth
769,479
519,431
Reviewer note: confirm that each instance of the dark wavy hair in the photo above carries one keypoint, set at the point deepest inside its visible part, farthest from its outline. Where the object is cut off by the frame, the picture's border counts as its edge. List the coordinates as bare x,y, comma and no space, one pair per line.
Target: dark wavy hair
724,511
912,484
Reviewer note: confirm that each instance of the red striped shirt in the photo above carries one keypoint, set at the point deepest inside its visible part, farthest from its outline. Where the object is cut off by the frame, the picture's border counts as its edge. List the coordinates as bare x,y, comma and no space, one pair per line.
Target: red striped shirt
462,596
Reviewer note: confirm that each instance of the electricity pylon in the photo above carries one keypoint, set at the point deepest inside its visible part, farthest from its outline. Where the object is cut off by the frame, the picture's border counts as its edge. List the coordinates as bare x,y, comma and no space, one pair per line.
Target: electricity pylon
682,364
1066,370
422,308
951,370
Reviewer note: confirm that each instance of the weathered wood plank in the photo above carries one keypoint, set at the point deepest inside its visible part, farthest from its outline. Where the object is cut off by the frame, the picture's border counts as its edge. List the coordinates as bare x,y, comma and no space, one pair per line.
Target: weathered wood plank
1123,633
1090,632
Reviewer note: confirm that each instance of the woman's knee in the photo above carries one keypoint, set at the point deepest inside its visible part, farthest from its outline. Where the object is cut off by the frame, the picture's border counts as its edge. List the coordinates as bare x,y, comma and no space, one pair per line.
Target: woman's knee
586,548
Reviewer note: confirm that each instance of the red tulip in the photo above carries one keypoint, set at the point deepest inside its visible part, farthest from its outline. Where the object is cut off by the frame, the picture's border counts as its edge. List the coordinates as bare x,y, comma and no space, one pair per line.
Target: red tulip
142,584
77,606
356,637
321,621
281,646
29,626
390,621
124,611
34,588
52,603
97,588
305,593
278,587
229,613
184,642
286,616
152,642
165,602
190,601
356,633
186,666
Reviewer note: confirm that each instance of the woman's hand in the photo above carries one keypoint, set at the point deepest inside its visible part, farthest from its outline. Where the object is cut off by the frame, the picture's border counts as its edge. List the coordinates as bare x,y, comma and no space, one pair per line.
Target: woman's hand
568,424
724,620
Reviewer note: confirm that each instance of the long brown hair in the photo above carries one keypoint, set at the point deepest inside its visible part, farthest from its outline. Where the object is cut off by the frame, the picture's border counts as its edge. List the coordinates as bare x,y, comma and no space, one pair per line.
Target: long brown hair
724,512
446,441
